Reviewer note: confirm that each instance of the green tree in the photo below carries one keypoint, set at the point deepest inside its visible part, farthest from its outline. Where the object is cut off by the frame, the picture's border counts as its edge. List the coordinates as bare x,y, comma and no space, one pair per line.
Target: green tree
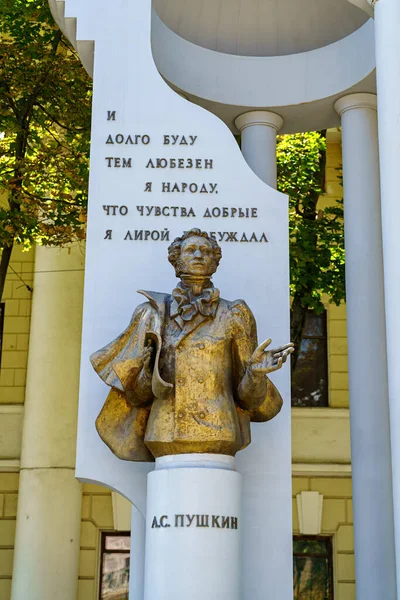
316,235
45,104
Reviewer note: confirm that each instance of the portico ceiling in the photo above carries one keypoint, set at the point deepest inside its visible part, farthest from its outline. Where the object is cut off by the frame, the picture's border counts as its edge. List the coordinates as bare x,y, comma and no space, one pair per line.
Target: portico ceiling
261,27
293,57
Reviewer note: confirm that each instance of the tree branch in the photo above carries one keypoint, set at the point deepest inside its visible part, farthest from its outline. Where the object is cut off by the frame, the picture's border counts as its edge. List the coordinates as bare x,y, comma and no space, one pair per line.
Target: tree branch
44,200
72,129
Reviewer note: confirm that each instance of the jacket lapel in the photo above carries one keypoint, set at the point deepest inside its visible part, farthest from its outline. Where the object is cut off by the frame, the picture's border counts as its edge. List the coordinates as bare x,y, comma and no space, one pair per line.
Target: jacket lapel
186,327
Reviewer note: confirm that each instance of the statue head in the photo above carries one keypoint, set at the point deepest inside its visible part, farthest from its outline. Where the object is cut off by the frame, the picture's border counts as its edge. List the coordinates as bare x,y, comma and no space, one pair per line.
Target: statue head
194,253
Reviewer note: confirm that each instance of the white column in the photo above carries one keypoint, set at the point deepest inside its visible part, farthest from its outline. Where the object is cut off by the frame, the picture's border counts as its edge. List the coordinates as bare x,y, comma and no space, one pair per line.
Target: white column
369,407
49,503
193,529
259,129
387,50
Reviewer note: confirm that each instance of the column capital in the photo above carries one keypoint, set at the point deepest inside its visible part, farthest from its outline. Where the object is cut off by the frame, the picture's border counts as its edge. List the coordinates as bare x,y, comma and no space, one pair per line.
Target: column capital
259,117
353,101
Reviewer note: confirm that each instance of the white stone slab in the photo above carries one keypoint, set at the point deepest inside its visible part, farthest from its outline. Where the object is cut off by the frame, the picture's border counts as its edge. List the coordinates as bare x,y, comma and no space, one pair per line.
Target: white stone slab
126,81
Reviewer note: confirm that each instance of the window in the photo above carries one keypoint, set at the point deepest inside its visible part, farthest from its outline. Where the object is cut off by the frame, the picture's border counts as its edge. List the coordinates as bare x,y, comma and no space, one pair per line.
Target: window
310,378
114,566
312,568
2,307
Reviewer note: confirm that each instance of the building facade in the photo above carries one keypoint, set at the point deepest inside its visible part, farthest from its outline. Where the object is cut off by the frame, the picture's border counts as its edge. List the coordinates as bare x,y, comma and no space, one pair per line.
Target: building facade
320,435
260,70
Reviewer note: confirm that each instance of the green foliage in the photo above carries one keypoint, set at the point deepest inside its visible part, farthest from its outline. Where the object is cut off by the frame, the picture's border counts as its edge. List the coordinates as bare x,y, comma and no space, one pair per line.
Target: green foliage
316,235
45,103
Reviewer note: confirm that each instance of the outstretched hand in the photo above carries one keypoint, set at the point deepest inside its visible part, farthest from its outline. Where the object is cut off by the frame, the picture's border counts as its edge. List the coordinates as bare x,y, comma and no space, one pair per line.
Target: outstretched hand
266,361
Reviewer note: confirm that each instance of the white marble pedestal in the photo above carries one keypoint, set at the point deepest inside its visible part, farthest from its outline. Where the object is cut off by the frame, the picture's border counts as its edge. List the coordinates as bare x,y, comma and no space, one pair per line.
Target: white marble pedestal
193,529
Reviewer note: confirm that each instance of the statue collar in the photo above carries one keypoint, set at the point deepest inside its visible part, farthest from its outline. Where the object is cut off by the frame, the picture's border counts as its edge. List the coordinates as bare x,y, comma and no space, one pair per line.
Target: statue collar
205,305
188,306
156,299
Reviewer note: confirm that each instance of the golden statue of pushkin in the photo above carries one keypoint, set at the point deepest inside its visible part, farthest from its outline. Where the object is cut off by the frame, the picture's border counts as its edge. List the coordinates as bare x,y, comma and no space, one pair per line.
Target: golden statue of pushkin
187,375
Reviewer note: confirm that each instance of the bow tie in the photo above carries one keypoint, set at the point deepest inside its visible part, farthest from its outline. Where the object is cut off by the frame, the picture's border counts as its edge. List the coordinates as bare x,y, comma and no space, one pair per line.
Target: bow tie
189,305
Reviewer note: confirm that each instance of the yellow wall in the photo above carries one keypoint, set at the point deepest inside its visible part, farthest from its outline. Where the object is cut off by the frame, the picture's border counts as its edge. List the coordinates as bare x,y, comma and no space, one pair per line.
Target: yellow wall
97,516
337,357
8,513
12,391
16,327
337,521
336,315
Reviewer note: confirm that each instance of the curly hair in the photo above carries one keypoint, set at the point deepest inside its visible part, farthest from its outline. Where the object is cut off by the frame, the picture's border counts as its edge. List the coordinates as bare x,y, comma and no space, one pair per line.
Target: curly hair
174,250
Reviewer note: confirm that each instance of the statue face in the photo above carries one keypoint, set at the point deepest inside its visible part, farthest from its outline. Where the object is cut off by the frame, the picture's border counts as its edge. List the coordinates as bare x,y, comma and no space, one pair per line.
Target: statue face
197,257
